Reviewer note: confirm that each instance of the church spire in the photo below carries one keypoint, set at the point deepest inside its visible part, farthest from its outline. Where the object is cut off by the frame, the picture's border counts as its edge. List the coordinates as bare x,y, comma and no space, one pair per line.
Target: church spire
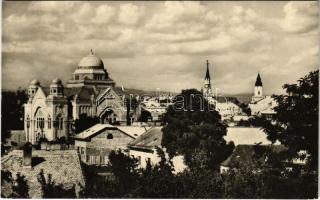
258,81
207,73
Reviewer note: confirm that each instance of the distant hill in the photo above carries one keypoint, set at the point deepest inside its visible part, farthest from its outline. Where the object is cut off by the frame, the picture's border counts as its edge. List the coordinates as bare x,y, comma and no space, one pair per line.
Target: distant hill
242,98
144,92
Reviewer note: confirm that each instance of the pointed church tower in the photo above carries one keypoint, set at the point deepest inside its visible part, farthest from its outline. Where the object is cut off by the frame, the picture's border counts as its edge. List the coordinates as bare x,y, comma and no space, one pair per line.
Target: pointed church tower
258,95
207,82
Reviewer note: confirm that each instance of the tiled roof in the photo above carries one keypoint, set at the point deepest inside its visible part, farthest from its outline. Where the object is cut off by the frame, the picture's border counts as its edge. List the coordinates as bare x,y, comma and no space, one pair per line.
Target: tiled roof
149,139
64,166
84,93
133,131
90,132
244,153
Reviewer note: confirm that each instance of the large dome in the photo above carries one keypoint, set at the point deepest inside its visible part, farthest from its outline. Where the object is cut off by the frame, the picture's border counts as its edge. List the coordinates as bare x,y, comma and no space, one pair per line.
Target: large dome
91,61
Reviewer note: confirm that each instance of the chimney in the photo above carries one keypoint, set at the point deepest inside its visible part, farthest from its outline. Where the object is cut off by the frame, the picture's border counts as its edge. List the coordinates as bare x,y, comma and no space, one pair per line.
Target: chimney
27,155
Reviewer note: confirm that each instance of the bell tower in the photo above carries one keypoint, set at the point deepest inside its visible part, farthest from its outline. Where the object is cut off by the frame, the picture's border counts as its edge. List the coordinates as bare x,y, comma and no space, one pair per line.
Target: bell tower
207,82
258,95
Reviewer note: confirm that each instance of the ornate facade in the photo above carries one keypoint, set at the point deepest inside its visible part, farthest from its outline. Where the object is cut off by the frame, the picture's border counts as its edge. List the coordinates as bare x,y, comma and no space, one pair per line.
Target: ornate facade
51,111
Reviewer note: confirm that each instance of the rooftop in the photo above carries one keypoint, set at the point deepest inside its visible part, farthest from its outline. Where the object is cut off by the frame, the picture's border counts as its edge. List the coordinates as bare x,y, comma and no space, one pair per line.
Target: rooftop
149,139
132,131
244,153
90,132
64,166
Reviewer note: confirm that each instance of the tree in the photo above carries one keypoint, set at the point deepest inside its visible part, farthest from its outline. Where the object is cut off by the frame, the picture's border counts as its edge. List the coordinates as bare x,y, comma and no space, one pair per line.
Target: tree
157,181
295,123
84,122
51,190
145,116
191,124
13,188
266,180
244,107
124,169
12,112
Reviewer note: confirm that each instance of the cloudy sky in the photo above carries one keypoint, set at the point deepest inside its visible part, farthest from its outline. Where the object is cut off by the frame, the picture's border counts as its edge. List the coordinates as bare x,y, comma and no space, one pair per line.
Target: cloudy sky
149,45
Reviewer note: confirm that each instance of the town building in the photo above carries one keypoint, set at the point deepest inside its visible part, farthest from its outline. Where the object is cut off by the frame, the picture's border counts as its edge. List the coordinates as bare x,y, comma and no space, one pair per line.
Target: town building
261,105
154,107
63,166
226,108
95,144
246,155
145,148
51,111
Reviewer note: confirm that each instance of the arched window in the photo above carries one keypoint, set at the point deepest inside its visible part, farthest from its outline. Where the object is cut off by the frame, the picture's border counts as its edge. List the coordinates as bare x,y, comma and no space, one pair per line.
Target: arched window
39,119
28,122
49,122
59,122
109,136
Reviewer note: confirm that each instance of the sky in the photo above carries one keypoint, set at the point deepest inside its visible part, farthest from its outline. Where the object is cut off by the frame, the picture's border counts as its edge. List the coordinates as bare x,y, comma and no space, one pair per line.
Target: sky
149,45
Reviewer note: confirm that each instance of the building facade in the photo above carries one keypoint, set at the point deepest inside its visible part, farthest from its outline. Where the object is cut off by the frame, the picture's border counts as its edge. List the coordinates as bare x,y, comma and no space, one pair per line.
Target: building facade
51,111
95,144
262,105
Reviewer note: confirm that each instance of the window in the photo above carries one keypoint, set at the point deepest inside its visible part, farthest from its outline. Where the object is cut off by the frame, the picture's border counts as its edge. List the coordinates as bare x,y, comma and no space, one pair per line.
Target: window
258,92
139,159
76,77
39,120
81,150
60,123
49,122
109,136
28,122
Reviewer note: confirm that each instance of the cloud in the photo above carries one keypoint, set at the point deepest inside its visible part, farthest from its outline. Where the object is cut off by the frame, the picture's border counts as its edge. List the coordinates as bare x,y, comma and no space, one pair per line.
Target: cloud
51,6
300,17
130,14
150,45
104,14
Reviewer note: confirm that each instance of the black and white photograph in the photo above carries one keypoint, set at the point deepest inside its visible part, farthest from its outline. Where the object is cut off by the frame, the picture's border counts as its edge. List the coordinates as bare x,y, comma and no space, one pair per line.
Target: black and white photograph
160,99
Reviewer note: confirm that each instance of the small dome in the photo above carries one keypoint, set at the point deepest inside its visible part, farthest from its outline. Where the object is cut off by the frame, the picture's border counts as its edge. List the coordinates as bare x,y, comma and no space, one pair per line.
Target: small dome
91,61
56,81
35,82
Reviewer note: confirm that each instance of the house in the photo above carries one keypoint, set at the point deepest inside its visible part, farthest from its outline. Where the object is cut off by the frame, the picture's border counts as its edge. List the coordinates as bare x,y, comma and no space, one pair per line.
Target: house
144,148
63,166
245,154
95,144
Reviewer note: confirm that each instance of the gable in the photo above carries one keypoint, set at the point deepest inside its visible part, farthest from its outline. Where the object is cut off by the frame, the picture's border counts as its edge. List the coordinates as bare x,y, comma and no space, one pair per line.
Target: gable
108,93
39,95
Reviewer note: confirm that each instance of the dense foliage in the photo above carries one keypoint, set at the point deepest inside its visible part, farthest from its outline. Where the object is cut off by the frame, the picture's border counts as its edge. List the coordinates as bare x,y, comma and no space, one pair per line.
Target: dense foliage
296,123
50,189
13,187
192,126
12,111
84,122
